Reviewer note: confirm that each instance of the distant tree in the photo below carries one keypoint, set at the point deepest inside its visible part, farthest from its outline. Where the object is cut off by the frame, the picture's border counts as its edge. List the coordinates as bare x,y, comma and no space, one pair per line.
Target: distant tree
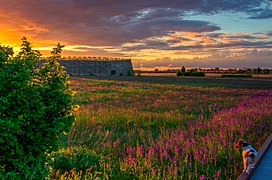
259,70
183,69
36,108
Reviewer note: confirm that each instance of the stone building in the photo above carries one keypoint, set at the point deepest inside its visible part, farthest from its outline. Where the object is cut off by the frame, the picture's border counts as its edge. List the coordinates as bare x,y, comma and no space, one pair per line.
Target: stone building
97,66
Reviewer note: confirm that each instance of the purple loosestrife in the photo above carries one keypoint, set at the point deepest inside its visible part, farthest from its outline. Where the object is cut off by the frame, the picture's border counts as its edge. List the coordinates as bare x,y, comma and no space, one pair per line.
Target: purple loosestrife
129,150
198,148
203,177
131,159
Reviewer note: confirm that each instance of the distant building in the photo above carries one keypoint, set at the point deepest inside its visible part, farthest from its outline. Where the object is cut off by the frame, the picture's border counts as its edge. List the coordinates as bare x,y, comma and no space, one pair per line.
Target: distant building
97,66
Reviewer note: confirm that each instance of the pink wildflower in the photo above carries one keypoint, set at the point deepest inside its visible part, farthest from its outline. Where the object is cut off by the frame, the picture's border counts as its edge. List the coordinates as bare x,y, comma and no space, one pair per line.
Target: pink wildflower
129,150
203,177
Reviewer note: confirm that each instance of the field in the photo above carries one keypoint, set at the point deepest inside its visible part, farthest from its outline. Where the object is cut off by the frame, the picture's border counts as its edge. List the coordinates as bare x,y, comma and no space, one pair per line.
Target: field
163,127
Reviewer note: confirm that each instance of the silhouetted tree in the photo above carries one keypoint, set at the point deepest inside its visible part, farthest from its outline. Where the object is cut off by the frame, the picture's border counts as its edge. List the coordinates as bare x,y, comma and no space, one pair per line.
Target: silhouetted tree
183,69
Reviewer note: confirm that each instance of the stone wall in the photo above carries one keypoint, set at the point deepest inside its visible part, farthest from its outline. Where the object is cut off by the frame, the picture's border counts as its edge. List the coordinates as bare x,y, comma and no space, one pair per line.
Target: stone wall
97,67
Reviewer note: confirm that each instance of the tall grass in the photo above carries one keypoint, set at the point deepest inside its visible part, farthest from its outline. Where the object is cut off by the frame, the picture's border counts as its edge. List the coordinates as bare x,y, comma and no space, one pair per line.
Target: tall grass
134,130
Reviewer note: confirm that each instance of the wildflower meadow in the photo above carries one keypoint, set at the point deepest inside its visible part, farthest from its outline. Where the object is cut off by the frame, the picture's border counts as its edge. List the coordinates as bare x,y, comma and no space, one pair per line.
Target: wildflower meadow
128,129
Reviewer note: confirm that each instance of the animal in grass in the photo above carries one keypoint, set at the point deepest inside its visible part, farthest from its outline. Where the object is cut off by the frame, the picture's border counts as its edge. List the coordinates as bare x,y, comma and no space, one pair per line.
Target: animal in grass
249,154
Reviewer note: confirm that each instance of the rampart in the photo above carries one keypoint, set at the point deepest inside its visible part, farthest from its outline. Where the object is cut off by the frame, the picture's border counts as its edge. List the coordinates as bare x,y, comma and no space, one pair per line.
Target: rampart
97,66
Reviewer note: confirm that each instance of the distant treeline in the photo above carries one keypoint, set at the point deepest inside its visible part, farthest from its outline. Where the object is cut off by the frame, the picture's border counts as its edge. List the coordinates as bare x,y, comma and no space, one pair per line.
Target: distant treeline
216,70
239,70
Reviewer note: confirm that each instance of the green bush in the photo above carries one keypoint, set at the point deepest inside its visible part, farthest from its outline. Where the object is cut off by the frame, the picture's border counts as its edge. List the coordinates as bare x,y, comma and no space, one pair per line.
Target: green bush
193,73
199,74
188,73
78,159
178,73
36,108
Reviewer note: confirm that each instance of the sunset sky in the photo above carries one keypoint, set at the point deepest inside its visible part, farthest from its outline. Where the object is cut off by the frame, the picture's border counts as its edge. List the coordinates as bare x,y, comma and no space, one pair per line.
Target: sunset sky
157,33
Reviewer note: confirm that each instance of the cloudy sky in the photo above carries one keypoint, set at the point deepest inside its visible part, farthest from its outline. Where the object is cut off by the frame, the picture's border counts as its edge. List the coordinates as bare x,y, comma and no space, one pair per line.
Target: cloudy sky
156,33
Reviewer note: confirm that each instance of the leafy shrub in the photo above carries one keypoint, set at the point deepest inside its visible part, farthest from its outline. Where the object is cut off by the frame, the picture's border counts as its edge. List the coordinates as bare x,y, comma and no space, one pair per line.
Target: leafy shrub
199,74
178,73
79,159
193,73
36,108
188,73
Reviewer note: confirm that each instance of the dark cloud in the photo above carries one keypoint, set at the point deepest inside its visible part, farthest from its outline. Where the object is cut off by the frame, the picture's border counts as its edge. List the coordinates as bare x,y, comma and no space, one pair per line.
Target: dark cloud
245,44
262,15
185,47
264,11
237,36
246,37
240,44
87,51
108,22
215,35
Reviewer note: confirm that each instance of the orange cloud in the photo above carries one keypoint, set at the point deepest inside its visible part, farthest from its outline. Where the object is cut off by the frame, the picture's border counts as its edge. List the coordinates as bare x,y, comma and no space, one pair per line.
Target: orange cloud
34,28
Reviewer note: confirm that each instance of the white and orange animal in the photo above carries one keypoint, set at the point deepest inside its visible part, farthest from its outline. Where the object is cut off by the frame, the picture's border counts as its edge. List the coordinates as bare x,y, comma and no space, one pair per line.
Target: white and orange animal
249,155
